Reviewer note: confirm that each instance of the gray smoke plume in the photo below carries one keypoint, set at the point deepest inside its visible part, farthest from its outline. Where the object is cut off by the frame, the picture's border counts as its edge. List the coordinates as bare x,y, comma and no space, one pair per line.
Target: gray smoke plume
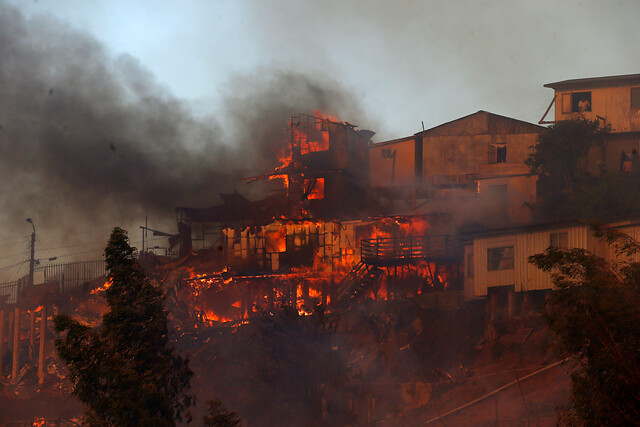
89,141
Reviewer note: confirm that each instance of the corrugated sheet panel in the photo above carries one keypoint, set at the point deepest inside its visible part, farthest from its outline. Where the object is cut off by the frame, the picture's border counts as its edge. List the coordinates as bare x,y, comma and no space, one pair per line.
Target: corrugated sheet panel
523,275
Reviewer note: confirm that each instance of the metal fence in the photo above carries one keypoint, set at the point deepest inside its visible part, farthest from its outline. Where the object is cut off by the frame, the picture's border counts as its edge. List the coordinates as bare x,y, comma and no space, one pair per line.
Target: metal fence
9,290
68,276
72,274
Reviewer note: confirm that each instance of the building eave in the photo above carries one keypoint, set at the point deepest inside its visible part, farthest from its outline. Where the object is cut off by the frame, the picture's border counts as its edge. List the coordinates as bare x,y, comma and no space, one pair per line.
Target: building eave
595,82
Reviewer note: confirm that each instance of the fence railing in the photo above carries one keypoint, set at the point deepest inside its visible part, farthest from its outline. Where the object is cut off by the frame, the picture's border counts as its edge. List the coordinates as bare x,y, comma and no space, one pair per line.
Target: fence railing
9,291
67,276
72,274
394,250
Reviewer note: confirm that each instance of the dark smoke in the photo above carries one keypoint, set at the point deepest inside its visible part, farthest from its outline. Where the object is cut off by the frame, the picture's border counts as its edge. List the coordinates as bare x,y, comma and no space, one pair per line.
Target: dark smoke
87,138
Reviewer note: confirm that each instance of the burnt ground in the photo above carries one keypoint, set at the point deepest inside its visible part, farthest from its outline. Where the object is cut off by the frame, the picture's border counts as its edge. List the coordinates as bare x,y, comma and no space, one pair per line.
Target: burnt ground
401,362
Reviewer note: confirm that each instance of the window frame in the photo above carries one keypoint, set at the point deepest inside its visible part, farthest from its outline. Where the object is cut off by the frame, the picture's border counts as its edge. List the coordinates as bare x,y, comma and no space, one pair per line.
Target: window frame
504,261
575,101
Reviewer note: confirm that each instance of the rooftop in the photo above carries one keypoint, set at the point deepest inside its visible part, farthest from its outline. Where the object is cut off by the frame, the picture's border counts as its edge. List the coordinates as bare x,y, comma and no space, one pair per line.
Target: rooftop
596,82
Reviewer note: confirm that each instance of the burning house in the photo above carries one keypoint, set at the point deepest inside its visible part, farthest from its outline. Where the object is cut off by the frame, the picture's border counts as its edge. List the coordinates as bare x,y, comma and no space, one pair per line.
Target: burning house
353,218
321,236
346,220
322,174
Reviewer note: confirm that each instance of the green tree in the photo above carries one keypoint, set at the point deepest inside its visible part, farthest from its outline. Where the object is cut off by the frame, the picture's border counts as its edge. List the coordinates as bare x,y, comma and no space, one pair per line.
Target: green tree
125,371
558,150
595,311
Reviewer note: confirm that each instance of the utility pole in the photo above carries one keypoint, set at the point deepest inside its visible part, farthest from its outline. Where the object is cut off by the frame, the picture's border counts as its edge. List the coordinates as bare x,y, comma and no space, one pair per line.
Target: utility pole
32,260
144,232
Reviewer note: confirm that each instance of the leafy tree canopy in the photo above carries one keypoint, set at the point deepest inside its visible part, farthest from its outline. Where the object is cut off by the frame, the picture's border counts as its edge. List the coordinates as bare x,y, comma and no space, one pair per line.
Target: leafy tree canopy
125,371
595,311
219,416
556,154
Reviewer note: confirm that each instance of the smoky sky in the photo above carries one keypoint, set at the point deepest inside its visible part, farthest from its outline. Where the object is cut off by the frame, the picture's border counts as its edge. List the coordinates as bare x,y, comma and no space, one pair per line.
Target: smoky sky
91,137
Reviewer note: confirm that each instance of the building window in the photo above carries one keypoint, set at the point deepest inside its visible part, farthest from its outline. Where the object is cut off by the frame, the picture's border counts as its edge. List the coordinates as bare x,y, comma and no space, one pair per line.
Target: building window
469,265
498,153
635,98
566,103
500,258
559,240
580,102
387,153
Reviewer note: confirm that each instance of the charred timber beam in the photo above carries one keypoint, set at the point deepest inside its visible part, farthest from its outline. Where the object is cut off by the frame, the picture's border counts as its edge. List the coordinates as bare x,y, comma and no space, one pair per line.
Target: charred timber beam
32,338
1,339
43,336
16,346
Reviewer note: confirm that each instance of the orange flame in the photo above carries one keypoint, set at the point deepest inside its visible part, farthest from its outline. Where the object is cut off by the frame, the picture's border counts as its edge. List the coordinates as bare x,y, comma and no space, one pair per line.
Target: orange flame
102,288
326,116
211,317
317,191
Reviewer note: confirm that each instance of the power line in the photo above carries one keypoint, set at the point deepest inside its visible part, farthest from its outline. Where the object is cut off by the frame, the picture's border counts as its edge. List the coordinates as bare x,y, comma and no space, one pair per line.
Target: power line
13,265
24,239
12,256
17,275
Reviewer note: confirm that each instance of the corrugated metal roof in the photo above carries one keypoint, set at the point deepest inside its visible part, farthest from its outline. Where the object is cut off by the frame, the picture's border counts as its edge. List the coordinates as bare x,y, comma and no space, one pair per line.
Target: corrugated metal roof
595,82
613,222
525,125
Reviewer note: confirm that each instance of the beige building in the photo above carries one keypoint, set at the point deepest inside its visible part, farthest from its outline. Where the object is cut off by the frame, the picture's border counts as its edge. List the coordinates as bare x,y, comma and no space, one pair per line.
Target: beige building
482,154
615,101
500,258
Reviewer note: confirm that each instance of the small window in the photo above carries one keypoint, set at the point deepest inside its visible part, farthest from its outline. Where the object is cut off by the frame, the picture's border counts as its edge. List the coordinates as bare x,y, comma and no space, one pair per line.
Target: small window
635,98
559,240
500,258
387,153
581,102
501,154
469,265
498,153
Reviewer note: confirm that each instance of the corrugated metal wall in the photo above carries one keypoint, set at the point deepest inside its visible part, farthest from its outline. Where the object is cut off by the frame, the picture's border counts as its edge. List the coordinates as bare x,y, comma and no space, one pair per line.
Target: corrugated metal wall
524,276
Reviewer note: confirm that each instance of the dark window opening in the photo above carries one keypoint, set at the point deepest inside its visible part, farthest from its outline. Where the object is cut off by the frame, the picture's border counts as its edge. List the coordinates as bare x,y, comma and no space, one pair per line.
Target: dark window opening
635,98
626,162
581,102
500,258
498,153
387,153
501,154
